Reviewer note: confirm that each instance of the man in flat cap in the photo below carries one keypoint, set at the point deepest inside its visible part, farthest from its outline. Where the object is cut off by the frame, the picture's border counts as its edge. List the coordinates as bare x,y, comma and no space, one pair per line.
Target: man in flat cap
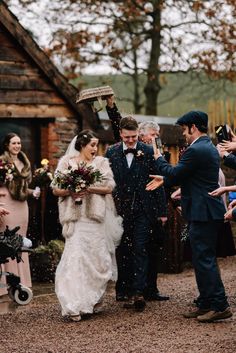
197,174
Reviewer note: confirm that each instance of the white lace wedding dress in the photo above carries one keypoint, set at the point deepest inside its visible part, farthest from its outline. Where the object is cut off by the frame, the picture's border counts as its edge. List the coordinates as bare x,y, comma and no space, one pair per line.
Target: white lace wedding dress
88,260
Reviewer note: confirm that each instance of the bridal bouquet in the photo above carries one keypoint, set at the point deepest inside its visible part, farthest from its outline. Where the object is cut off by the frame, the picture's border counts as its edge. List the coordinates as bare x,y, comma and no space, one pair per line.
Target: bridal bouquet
77,180
6,171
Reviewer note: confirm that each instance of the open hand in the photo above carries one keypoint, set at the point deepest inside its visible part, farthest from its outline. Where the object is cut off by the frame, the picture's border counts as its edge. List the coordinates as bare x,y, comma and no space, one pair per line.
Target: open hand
231,204
217,192
229,215
155,183
221,150
156,150
176,195
36,192
228,146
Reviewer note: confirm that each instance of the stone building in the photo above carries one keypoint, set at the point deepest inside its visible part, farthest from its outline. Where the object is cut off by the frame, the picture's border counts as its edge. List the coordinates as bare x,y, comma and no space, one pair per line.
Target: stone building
36,101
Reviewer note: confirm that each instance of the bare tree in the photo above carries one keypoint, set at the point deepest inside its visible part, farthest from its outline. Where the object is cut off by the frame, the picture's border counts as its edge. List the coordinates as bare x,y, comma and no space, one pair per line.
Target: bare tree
136,37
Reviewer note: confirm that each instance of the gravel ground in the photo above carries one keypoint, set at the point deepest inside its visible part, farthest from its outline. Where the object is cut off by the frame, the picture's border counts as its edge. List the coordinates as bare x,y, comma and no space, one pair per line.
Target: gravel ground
39,327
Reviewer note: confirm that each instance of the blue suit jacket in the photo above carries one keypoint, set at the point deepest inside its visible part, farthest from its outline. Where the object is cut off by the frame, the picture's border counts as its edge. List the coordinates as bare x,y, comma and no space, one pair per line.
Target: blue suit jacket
197,173
134,179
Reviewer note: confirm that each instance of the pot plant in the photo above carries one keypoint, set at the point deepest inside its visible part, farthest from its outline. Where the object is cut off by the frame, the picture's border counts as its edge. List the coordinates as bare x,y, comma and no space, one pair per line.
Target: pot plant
44,260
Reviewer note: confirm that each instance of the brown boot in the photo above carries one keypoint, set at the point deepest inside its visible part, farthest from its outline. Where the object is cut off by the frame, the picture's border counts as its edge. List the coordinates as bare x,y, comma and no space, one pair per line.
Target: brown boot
215,315
195,314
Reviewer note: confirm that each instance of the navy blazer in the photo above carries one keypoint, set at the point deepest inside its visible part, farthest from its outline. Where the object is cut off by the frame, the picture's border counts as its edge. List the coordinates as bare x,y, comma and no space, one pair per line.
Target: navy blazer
134,179
197,173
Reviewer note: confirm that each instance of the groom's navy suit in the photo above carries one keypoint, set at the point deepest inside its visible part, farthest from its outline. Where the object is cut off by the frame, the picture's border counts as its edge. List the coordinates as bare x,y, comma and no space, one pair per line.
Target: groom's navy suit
197,173
138,208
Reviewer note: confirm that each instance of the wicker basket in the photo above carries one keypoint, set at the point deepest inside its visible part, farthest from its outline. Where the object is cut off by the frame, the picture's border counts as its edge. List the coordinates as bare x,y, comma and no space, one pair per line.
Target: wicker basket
94,94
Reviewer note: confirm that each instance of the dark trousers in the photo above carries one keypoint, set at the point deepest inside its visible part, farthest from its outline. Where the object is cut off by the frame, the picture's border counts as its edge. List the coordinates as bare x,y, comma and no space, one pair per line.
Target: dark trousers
156,241
132,257
203,238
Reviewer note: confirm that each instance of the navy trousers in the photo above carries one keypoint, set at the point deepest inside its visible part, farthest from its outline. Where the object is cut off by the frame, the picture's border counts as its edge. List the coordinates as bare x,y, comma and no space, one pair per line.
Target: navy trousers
203,238
132,256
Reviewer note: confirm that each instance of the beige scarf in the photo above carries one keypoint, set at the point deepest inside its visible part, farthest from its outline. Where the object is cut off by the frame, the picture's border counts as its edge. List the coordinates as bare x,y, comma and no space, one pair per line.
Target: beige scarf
18,186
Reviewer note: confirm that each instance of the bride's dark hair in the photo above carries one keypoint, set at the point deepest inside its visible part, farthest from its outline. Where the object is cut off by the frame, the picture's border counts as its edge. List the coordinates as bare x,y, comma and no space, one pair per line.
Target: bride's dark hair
83,138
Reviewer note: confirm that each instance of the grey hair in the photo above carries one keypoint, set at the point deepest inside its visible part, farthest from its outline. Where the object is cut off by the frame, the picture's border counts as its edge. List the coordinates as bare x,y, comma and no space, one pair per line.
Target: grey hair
144,126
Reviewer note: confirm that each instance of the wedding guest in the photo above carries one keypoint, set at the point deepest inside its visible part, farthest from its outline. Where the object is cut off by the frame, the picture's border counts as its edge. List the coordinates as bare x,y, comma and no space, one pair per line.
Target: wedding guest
14,194
132,161
231,212
91,230
147,131
227,150
197,174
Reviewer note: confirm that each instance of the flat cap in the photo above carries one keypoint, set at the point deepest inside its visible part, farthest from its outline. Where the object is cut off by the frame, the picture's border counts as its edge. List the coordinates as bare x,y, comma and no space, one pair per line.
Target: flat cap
194,117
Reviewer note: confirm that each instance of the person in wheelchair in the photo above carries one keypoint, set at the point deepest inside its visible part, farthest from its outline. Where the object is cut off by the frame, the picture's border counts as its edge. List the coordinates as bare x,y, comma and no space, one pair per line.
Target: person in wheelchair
12,245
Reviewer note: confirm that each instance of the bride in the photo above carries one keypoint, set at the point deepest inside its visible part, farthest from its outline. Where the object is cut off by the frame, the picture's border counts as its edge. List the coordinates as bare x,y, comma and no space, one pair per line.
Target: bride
92,231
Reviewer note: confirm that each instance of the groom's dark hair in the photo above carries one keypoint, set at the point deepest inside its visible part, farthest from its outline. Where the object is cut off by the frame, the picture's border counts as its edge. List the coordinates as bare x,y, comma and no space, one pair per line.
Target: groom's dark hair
128,123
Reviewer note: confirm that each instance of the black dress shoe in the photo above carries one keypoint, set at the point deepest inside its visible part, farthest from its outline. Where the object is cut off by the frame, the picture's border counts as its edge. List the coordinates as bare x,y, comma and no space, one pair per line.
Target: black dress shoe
121,297
129,304
139,303
156,297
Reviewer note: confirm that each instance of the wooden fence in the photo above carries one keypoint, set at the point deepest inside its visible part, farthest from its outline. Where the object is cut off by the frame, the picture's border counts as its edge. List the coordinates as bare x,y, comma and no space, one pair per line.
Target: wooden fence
221,112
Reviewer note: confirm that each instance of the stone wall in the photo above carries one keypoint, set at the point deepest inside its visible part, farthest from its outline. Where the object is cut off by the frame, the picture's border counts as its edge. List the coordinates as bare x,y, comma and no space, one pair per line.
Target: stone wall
60,134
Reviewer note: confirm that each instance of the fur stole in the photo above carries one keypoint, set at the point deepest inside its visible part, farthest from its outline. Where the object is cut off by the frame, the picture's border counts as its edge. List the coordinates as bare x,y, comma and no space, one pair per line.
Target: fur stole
95,204
18,186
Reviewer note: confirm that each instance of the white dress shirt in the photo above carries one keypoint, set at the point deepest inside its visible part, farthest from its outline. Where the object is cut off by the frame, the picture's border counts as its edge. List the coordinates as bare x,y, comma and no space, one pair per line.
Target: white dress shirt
129,156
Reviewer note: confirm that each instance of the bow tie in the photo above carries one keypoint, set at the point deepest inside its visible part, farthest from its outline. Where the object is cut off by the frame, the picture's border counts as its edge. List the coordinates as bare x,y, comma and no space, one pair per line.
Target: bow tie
130,150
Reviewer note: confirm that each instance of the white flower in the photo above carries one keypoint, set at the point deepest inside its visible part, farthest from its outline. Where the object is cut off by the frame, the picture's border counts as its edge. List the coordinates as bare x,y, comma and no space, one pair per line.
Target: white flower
139,153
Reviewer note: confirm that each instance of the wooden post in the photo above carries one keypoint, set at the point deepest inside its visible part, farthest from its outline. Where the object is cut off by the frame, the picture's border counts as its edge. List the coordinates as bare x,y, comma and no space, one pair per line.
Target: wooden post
222,112
228,112
211,114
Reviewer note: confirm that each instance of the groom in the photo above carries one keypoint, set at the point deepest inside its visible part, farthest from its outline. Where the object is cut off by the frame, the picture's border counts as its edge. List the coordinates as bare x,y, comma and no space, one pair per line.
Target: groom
132,162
